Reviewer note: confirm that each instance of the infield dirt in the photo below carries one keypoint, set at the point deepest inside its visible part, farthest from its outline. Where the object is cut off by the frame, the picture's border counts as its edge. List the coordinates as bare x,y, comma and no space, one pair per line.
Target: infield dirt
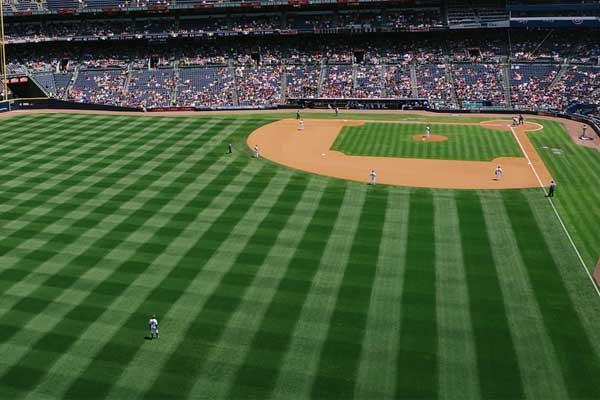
309,150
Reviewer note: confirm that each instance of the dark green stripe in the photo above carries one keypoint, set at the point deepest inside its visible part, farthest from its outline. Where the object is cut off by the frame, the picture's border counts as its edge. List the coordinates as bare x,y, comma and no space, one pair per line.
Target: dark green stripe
208,325
497,364
260,369
417,361
160,300
578,361
84,314
338,366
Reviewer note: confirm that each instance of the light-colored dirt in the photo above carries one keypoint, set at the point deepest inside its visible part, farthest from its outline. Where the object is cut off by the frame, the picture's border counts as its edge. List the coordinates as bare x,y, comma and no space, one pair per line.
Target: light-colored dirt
309,150
431,138
516,175
573,128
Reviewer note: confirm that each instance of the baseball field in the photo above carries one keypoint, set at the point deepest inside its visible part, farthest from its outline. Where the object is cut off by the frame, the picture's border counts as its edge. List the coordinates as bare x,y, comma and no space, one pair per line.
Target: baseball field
272,282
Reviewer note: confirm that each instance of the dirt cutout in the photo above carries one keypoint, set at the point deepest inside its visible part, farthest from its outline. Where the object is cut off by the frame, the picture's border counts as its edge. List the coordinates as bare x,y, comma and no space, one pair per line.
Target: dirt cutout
309,150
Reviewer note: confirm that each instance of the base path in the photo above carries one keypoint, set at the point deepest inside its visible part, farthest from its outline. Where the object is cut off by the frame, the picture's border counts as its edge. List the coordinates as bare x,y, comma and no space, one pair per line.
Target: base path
309,150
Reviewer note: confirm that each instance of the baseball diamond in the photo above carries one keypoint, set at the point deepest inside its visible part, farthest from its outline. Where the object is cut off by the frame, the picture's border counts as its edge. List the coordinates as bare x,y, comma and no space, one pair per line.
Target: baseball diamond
275,282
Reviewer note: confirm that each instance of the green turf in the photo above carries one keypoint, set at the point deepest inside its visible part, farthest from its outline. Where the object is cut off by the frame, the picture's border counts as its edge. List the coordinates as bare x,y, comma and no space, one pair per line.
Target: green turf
577,173
465,142
272,283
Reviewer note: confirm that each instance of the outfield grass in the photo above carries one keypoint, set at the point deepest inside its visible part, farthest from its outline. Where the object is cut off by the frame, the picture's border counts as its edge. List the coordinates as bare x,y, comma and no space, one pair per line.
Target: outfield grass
465,142
577,173
272,283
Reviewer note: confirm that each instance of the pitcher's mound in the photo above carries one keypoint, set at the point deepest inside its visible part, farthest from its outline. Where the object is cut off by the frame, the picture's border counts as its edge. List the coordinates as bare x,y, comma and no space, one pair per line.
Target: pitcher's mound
431,138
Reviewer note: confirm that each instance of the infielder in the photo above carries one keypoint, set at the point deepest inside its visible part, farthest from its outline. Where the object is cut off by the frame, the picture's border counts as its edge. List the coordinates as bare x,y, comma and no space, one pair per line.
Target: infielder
427,132
255,151
498,173
301,125
373,176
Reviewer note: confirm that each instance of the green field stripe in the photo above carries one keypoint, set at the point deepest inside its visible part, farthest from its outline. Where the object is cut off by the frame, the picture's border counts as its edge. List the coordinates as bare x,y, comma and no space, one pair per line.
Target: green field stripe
229,294
577,358
22,134
296,373
577,283
465,142
576,172
167,233
224,361
96,377
377,374
540,373
52,147
497,364
258,371
109,233
44,252
60,239
185,284
417,363
471,147
458,376
56,191
74,313
21,131
338,366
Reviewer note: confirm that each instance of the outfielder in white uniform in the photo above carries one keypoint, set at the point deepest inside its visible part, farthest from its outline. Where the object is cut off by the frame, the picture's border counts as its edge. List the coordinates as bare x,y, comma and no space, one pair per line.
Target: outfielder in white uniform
153,326
427,132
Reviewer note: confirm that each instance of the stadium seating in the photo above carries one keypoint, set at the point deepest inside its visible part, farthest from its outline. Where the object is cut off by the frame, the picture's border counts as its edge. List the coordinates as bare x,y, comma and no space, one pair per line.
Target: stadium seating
337,81
98,86
150,88
258,85
46,81
398,81
62,4
479,82
540,70
302,80
433,84
61,83
205,87
530,83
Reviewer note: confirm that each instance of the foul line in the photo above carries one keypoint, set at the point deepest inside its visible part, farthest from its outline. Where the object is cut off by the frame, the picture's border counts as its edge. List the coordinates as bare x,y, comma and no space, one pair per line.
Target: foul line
556,212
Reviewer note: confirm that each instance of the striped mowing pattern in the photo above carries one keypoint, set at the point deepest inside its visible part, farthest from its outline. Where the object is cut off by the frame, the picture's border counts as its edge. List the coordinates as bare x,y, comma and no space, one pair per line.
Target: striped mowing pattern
577,173
272,283
465,142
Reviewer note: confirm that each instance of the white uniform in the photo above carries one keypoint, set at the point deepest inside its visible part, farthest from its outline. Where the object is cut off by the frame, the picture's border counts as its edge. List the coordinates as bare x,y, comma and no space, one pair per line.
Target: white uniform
427,131
256,151
153,325
498,173
301,125
373,177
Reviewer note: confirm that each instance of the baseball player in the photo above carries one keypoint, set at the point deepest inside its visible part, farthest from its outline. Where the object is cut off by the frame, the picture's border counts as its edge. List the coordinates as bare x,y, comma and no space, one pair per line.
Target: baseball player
255,151
551,189
498,173
301,125
427,132
153,326
373,176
